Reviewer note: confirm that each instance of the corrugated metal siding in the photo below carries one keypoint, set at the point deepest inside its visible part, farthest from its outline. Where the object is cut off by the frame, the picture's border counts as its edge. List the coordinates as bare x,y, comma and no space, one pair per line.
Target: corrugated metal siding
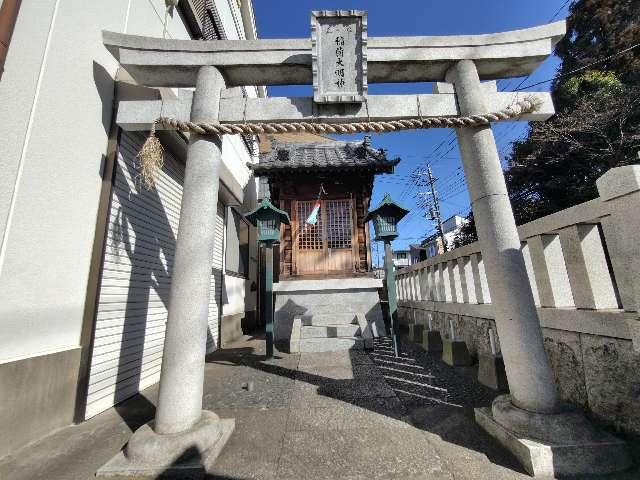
135,280
216,282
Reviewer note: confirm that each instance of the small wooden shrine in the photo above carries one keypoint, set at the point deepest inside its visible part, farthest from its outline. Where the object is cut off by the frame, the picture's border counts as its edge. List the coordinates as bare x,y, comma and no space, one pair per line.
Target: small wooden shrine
325,187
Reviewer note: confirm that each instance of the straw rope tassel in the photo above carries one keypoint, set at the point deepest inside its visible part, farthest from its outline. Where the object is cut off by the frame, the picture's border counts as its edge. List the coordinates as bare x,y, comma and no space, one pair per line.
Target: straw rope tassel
151,159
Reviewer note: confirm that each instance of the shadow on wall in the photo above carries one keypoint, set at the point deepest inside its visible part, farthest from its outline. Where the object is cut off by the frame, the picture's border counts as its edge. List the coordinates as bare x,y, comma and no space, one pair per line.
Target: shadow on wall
145,251
140,234
283,321
105,87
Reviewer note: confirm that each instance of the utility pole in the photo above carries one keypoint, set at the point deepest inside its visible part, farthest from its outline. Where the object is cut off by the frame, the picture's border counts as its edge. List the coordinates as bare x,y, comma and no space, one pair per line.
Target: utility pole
436,207
434,211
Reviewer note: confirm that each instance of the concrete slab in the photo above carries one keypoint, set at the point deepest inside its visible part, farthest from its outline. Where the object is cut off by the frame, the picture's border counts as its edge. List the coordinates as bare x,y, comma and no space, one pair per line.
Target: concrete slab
260,385
331,344
455,353
257,431
339,373
432,342
380,453
332,359
334,414
309,391
491,372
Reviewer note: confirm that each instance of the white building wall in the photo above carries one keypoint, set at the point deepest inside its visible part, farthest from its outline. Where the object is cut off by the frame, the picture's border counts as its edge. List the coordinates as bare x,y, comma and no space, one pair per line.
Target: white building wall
57,96
47,241
56,105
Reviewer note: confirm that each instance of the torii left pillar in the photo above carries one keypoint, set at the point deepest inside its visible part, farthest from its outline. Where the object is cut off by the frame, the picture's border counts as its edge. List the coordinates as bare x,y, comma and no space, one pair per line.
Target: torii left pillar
184,439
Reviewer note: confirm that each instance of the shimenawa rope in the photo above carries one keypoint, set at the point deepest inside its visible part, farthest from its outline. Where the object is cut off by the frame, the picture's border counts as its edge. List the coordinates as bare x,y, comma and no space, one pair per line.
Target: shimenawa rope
152,149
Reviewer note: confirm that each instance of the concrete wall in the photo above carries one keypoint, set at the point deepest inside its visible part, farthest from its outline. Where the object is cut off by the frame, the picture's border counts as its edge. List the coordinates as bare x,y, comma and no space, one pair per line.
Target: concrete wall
584,270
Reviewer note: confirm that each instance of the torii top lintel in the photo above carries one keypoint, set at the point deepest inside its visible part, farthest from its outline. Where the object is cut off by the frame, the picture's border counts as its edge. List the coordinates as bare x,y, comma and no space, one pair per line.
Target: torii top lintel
158,62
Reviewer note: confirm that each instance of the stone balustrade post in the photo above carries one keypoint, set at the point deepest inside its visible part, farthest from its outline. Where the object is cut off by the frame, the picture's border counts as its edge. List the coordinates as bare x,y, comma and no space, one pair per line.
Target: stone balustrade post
589,277
550,271
424,283
456,281
464,264
480,286
620,187
437,283
445,277
528,263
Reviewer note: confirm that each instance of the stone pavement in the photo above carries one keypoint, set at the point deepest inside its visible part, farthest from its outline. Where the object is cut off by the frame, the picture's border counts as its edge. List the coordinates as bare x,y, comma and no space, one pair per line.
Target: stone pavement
343,415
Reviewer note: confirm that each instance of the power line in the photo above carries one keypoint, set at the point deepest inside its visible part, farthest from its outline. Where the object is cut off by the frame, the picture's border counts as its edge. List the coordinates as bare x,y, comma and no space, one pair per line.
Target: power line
597,62
558,11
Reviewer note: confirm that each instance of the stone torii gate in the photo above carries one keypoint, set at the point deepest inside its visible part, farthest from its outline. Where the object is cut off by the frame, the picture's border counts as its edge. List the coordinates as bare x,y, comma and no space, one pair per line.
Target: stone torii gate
458,63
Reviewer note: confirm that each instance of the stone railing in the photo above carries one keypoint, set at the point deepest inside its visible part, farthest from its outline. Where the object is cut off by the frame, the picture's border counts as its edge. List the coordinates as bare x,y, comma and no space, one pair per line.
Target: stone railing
584,269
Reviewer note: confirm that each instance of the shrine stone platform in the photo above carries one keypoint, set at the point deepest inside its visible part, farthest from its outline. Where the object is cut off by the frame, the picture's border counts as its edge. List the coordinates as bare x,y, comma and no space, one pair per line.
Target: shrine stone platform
329,314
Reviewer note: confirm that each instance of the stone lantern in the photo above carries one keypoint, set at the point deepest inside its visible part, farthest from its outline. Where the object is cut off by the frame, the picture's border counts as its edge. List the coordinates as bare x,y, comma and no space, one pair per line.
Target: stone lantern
385,219
268,220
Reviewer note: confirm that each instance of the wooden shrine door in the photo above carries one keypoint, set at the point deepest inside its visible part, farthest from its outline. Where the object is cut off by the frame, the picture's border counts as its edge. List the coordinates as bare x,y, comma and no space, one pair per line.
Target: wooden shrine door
327,246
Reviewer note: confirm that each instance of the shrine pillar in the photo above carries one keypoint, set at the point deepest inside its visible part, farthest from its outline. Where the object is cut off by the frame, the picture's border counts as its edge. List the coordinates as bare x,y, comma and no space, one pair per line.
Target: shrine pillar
548,438
182,376
530,379
182,432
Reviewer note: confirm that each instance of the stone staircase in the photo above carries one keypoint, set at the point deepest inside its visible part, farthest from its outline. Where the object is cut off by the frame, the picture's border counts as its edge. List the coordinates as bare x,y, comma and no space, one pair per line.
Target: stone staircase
328,332
328,315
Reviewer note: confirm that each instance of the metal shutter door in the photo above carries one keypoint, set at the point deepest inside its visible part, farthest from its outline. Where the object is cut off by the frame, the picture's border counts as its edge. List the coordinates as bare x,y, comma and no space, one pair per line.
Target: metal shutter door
215,300
135,279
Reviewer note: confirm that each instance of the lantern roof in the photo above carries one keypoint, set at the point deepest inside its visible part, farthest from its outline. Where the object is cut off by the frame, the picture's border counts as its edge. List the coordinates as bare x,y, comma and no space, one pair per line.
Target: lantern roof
265,207
388,206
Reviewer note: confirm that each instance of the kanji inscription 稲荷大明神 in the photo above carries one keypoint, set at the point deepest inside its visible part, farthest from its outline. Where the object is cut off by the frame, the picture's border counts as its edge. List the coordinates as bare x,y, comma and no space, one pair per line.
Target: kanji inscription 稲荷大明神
339,56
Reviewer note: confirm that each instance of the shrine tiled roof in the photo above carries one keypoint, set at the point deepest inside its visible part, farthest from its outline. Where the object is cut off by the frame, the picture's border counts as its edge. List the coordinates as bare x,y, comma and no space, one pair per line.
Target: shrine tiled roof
325,156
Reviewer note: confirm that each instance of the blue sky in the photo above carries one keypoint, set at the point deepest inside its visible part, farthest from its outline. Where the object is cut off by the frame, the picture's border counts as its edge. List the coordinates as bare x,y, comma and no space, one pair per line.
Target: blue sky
437,147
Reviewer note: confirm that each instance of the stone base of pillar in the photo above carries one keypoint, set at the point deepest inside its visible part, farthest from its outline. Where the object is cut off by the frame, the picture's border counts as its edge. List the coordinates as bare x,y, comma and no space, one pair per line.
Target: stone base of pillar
416,332
186,455
552,444
455,353
491,372
432,342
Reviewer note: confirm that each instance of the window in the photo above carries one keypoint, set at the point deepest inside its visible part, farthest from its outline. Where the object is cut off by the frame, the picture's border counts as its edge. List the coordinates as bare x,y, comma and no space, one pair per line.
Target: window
338,223
237,254
402,255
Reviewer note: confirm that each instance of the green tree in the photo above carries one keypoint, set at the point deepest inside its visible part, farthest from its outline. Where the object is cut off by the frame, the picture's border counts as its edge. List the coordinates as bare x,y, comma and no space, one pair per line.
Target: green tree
597,125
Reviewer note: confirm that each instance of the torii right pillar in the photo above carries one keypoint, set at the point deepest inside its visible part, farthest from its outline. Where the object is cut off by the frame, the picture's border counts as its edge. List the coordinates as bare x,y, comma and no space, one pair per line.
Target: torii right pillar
547,437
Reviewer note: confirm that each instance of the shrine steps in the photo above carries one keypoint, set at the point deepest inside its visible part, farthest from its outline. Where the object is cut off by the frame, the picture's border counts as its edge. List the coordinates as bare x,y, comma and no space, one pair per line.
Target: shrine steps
330,331
330,319
308,345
